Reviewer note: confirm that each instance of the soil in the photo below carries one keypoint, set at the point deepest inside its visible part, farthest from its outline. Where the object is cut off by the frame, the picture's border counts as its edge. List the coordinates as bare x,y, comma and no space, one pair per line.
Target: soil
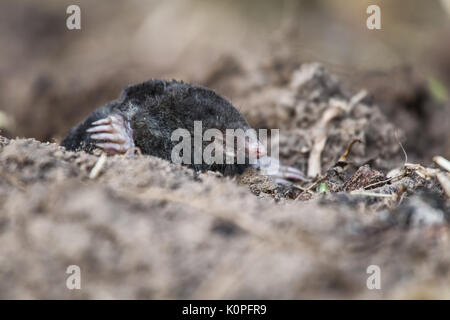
143,228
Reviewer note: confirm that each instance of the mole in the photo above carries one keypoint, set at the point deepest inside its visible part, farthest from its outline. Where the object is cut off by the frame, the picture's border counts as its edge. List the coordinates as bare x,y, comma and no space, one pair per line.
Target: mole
146,114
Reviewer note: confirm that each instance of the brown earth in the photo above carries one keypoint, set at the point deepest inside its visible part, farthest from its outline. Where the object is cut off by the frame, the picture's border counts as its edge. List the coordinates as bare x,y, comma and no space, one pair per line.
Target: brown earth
146,228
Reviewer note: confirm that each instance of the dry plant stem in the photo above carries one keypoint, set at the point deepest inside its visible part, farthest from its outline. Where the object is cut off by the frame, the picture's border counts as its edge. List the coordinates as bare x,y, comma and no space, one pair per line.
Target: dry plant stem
444,180
422,171
401,194
357,98
98,166
320,138
308,189
343,158
383,182
371,194
401,146
320,131
442,162
299,187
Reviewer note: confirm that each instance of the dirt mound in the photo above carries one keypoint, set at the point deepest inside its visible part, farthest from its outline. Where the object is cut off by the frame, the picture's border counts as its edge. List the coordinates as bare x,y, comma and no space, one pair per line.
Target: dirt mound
295,100
146,228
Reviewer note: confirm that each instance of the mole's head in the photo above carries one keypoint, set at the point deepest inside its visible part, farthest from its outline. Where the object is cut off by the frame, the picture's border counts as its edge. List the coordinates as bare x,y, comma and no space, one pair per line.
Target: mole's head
163,107
221,123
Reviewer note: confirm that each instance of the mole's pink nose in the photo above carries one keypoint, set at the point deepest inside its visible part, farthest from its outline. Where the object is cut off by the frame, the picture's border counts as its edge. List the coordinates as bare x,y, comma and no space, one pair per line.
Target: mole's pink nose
255,149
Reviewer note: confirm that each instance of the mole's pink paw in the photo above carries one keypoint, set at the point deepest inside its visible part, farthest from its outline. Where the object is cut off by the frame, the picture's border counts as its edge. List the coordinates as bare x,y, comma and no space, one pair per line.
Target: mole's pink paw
281,174
113,133
287,175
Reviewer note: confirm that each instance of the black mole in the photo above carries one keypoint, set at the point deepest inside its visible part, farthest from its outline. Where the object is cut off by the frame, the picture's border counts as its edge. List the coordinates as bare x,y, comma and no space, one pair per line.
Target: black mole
146,115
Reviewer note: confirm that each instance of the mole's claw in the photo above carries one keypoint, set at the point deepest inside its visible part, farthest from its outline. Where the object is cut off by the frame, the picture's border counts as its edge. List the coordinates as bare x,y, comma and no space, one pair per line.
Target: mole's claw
102,121
101,128
285,175
115,134
282,181
291,173
112,137
281,174
289,176
294,171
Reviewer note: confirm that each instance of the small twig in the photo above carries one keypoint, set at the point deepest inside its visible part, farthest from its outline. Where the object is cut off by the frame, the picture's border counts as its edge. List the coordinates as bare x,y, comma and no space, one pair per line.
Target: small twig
444,180
357,98
401,146
98,166
316,183
320,137
299,187
401,194
383,182
442,162
371,194
343,158
424,172
308,189
320,131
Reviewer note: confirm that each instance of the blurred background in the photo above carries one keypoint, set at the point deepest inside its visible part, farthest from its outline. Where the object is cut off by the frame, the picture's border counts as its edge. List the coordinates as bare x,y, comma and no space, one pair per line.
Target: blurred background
52,77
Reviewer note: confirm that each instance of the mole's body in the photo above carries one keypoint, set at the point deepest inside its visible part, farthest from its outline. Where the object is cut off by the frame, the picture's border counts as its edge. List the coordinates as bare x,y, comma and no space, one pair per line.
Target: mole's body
147,114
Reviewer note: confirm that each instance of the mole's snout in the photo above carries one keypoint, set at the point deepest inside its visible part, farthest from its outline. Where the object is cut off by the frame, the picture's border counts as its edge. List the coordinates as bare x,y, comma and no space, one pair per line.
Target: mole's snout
255,149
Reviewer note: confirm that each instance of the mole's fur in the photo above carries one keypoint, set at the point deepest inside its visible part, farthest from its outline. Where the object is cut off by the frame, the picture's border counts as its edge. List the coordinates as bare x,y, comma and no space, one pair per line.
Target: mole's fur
154,109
